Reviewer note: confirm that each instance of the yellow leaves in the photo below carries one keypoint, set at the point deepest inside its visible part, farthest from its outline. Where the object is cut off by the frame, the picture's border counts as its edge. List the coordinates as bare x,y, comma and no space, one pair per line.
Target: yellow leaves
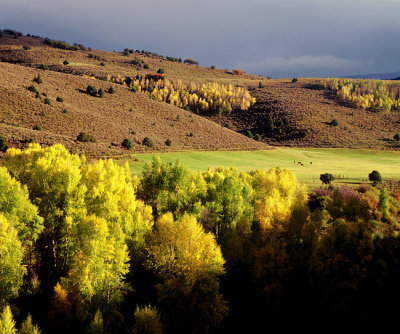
366,93
11,255
204,96
101,263
181,249
277,193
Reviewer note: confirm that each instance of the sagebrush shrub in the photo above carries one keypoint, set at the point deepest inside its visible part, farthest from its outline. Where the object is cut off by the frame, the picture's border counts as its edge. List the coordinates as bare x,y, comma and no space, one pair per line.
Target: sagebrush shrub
3,144
127,143
147,142
85,138
91,90
38,79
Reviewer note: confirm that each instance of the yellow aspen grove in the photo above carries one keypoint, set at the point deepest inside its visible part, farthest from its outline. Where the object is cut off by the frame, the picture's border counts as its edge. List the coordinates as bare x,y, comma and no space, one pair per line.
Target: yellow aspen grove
278,191
367,94
206,96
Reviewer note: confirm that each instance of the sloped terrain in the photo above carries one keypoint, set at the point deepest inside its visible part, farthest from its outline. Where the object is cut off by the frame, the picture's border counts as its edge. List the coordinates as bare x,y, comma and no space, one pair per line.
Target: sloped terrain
109,120
302,115
296,114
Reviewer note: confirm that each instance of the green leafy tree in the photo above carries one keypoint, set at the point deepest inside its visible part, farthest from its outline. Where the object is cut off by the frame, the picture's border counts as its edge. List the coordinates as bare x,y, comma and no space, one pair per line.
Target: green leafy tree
171,188
229,195
12,270
375,177
326,178
383,204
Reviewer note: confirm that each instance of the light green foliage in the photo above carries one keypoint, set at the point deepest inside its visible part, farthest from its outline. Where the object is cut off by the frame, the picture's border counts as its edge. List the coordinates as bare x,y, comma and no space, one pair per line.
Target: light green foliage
171,188
12,270
147,321
27,327
229,199
383,204
101,262
16,206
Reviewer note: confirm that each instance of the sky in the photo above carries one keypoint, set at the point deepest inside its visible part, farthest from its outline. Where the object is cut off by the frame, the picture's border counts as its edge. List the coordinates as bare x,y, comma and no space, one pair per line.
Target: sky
277,38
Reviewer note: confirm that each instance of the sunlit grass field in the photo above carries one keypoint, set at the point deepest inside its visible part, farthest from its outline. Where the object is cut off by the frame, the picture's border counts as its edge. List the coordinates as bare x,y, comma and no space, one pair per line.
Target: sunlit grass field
348,166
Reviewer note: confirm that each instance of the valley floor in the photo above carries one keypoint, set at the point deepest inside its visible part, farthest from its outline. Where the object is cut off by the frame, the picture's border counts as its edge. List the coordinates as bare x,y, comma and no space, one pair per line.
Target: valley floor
348,165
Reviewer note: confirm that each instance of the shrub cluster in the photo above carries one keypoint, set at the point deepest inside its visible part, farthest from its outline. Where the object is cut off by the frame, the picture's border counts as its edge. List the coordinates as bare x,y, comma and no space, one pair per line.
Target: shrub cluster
12,32
38,79
92,91
85,138
3,144
63,45
43,67
147,142
127,143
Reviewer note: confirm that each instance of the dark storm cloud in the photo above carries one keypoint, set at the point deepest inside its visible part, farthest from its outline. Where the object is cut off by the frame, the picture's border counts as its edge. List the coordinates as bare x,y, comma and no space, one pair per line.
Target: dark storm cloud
279,38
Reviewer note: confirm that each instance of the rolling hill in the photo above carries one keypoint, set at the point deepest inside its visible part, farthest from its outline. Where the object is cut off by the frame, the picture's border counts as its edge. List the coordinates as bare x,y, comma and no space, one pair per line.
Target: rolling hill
295,114
109,120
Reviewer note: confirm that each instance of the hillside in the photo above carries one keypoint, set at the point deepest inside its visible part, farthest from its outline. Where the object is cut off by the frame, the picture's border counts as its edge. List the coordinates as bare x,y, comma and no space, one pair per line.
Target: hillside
302,113
286,114
109,120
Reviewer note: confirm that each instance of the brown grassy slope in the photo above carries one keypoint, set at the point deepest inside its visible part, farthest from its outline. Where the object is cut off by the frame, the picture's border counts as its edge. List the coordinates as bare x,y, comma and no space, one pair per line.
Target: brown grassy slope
11,50
308,107
109,119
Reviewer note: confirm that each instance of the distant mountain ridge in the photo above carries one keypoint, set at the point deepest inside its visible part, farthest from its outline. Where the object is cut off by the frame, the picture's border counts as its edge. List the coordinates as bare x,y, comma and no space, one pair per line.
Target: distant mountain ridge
379,76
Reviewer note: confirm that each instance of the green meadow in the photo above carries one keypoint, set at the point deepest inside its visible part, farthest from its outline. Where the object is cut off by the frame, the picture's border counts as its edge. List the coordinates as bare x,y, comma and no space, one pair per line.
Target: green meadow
348,166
